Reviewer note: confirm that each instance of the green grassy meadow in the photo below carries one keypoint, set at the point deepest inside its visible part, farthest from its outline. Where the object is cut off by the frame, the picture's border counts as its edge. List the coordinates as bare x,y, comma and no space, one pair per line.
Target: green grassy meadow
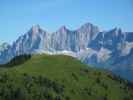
60,77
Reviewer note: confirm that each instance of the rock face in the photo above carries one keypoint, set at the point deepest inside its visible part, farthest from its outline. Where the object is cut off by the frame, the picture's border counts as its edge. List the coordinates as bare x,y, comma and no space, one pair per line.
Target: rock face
112,50
4,48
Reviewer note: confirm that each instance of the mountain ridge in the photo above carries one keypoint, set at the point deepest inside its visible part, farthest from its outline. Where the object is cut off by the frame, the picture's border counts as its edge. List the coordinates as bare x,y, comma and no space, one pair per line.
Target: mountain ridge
87,43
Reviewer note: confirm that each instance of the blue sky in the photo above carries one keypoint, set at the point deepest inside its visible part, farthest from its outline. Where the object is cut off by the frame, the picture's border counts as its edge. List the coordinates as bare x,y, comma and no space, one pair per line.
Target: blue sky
17,16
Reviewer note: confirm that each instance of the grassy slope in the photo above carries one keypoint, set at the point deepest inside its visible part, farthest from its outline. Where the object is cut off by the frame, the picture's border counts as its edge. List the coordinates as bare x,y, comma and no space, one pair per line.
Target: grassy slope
81,82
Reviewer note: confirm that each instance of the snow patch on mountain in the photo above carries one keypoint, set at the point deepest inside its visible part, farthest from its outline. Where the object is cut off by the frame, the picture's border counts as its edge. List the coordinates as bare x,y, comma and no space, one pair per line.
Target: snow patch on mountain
125,48
4,46
103,54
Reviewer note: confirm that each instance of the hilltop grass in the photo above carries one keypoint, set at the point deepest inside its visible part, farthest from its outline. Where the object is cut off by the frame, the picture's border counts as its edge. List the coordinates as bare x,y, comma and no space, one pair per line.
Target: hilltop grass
73,80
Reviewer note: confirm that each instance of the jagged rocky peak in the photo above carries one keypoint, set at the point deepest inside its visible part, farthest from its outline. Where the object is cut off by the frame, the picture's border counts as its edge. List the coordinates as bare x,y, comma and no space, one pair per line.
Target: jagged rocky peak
35,29
116,31
63,29
88,26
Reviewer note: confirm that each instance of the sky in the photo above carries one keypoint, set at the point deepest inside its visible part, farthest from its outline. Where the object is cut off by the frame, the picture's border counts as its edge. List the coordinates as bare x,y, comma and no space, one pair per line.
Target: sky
18,16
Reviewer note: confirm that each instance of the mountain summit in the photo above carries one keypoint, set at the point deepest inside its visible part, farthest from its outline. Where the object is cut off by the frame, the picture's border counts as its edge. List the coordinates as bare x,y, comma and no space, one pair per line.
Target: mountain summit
35,29
63,29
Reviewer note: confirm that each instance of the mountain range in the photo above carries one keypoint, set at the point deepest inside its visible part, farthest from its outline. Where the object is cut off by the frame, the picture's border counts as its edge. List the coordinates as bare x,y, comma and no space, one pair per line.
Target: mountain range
111,50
